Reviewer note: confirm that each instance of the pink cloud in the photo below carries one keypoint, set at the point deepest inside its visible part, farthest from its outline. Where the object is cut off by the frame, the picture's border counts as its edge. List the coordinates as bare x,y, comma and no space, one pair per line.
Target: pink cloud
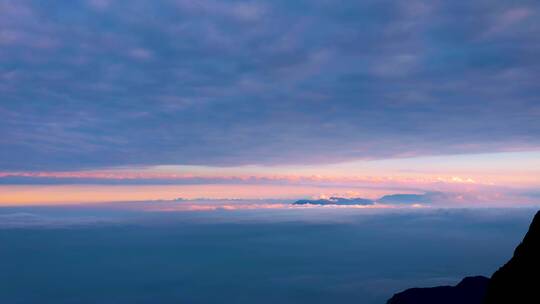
99,4
141,54
509,19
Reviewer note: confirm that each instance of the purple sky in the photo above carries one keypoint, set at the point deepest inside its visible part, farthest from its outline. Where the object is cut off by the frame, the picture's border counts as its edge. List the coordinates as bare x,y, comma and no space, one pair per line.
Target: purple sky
381,92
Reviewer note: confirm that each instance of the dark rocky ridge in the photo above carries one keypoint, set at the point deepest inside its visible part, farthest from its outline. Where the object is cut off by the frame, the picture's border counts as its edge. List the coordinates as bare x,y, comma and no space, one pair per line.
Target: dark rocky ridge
517,282
470,290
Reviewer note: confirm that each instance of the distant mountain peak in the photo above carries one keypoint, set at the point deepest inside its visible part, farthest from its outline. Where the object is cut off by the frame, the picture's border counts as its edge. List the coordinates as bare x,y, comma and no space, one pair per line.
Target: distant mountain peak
334,200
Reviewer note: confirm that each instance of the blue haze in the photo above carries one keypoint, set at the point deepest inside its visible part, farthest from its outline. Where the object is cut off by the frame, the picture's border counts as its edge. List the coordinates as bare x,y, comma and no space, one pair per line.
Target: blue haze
105,255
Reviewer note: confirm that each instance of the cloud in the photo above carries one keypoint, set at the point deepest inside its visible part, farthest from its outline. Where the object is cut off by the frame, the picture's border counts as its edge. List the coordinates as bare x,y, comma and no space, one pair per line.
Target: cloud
99,4
38,220
96,84
139,53
210,175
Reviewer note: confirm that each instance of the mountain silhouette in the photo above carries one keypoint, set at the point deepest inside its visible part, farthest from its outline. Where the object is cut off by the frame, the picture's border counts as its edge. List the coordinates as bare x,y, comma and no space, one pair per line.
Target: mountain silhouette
470,290
336,201
517,282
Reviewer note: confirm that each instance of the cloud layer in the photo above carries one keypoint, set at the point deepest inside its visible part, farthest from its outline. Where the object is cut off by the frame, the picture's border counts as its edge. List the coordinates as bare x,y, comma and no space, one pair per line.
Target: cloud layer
89,84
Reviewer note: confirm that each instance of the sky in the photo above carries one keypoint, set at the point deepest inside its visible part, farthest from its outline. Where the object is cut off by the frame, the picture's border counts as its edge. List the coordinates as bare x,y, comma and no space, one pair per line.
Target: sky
142,100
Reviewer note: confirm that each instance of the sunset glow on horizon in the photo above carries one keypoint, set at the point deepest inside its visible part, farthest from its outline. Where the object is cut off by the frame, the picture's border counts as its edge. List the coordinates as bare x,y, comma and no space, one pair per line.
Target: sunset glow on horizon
265,151
101,102
506,176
